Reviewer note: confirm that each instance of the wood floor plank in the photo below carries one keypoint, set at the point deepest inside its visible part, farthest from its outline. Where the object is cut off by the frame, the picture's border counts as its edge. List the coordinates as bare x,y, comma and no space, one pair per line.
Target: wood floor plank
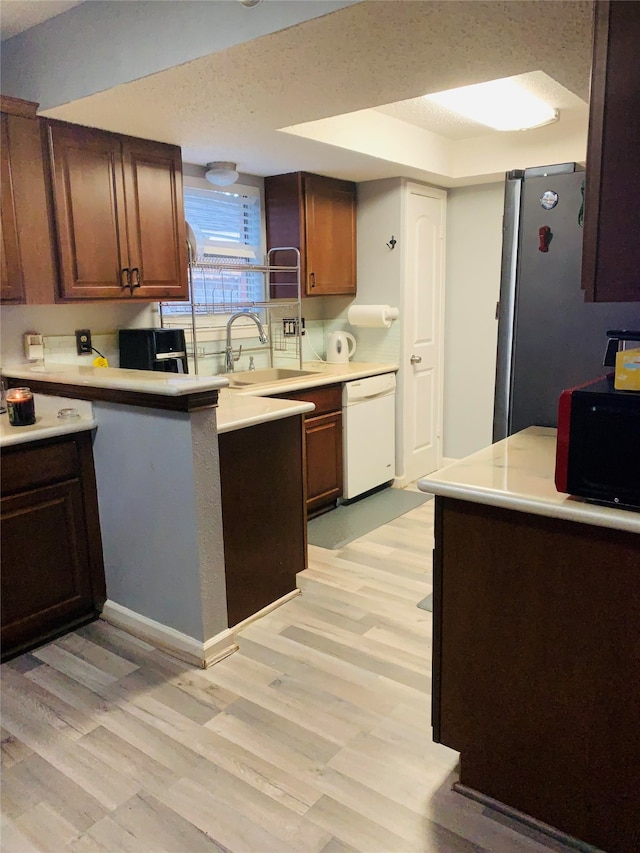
371,805
305,662
275,817
47,830
223,824
127,759
364,660
97,655
111,837
13,750
41,703
316,713
161,827
13,840
352,828
282,730
85,673
34,780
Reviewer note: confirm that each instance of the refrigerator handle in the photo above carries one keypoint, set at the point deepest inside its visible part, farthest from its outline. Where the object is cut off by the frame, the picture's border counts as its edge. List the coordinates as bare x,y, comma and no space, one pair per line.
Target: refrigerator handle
506,308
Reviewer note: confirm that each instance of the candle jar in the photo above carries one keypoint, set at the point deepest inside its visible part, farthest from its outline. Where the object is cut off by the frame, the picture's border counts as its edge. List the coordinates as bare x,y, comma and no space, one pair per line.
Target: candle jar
21,408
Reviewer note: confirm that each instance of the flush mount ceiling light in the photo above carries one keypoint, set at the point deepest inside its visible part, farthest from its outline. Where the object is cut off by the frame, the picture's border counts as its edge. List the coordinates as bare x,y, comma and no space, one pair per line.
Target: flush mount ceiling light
222,173
500,104
250,3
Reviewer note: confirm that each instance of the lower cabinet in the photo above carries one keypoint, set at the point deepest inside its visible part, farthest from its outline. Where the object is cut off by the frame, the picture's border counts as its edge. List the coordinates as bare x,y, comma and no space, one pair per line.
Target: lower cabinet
52,569
323,440
536,666
263,513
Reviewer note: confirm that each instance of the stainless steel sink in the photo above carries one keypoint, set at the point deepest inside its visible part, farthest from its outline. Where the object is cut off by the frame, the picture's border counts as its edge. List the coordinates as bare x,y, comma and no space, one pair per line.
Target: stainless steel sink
265,376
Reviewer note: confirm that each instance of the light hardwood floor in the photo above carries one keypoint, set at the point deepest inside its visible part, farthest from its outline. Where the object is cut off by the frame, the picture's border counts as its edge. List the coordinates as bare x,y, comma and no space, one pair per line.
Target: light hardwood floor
313,737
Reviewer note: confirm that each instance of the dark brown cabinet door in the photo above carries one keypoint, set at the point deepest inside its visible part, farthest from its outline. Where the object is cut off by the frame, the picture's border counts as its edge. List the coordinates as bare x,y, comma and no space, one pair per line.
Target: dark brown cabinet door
29,267
155,213
120,214
611,253
89,200
316,215
12,285
323,445
52,568
323,437
330,223
263,514
44,559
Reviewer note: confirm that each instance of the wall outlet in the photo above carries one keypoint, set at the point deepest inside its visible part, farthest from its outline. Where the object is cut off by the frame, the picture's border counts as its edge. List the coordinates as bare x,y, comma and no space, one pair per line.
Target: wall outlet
290,327
83,341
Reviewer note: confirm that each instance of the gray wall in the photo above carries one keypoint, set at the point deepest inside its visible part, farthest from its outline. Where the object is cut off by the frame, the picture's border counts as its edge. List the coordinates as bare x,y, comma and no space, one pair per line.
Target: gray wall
472,288
103,43
160,514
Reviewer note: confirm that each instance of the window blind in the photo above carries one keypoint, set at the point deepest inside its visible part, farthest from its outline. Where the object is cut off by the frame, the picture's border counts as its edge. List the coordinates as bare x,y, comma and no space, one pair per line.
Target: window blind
227,227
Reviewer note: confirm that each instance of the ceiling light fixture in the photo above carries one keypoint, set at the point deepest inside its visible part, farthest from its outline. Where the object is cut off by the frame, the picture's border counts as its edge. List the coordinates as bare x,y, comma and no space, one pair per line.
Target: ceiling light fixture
250,3
222,173
501,104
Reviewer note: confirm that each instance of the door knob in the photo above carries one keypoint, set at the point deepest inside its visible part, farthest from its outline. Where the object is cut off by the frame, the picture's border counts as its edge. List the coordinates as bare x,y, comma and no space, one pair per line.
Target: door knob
415,359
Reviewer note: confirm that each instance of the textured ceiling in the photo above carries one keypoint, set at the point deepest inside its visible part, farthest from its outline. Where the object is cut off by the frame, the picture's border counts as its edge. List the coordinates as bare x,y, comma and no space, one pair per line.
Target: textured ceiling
229,105
430,116
16,16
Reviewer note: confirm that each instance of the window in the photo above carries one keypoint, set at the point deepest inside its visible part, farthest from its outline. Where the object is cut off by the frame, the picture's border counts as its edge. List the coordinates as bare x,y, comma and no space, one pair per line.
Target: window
227,227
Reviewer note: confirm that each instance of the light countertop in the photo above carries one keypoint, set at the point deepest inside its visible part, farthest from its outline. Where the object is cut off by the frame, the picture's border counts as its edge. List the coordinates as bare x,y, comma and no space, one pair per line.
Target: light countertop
116,378
236,411
47,424
237,407
173,384
518,473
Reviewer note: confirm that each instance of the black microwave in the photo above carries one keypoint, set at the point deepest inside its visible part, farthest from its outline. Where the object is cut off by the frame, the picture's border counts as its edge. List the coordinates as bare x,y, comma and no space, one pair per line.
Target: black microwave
598,450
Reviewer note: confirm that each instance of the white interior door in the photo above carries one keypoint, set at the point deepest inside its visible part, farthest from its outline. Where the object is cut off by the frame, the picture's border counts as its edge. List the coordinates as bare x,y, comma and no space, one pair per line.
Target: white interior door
422,344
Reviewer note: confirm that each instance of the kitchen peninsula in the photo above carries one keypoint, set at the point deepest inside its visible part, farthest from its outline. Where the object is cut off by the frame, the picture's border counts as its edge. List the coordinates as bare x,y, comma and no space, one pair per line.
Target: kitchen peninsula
201,496
536,658
159,493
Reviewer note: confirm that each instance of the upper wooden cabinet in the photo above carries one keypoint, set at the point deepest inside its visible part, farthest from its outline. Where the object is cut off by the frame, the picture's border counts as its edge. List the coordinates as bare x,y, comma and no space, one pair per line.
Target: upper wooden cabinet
12,286
120,215
29,272
611,248
318,216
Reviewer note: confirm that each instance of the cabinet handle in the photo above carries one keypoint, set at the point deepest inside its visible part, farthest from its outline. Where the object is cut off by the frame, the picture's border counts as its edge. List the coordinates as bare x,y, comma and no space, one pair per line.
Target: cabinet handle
125,273
135,278
312,279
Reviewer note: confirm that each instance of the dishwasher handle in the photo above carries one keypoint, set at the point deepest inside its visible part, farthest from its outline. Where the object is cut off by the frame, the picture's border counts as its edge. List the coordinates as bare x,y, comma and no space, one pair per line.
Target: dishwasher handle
368,388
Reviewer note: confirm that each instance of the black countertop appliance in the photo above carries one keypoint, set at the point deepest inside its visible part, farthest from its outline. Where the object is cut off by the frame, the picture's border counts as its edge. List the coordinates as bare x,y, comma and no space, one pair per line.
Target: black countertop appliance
163,350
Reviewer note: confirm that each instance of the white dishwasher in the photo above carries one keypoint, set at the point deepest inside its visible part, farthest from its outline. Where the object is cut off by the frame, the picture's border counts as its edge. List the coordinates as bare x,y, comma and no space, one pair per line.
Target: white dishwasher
368,433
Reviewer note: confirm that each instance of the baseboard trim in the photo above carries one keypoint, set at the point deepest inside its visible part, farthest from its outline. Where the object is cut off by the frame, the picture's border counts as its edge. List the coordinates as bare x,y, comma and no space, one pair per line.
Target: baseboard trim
527,820
167,639
274,604
181,645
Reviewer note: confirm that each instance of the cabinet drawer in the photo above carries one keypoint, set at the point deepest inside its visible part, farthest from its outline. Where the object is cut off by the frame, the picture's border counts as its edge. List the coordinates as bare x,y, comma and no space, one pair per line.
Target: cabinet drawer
326,399
25,467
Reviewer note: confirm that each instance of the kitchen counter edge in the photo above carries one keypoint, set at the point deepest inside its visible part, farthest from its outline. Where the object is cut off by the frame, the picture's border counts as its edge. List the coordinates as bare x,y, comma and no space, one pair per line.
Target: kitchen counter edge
323,374
518,473
47,424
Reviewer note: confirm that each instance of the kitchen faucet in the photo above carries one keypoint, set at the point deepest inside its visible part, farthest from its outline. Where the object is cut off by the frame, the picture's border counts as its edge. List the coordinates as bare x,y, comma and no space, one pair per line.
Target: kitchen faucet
229,356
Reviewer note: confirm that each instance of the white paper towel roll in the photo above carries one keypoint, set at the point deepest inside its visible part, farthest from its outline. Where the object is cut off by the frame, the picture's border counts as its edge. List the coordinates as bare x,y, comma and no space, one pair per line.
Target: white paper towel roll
373,316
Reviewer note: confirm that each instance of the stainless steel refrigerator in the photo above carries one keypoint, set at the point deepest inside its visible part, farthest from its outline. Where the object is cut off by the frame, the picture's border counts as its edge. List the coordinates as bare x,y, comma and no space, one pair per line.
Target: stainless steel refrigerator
549,338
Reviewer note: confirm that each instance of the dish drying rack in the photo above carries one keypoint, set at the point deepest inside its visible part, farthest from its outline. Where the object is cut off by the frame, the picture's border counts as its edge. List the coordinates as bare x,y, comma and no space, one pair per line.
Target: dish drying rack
222,291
